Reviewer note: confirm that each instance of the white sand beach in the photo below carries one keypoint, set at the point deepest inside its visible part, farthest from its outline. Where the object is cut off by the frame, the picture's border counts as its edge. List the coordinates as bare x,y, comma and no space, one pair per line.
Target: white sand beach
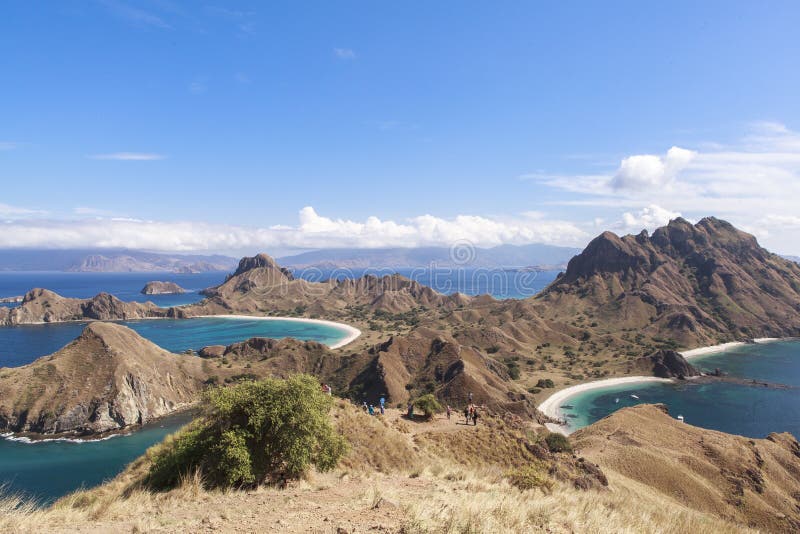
352,332
722,347
551,405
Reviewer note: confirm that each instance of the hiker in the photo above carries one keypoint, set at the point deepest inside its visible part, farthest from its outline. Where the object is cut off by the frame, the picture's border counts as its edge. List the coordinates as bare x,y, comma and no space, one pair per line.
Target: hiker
365,407
371,410
466,414
410,410
383,409
382,401
470,397
475,416
448,411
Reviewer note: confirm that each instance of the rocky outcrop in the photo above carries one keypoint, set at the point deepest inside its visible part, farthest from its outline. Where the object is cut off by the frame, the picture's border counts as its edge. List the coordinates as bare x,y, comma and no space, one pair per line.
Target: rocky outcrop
107,379
44,306
754,482
260,285
671,364
162,288
693,284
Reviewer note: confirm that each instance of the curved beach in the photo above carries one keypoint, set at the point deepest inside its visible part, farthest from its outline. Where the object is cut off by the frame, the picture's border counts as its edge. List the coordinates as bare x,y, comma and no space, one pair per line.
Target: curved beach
352,332
550,406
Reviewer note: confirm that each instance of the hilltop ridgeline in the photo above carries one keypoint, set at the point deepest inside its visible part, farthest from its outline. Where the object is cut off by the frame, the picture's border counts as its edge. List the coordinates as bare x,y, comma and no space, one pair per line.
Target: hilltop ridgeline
753,482
694,284
107,379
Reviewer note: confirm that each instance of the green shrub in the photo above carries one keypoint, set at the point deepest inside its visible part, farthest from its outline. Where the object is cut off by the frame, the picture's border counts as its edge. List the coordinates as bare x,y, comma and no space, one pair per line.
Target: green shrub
253,433
513,370
428,405
558,442
530,477
545,383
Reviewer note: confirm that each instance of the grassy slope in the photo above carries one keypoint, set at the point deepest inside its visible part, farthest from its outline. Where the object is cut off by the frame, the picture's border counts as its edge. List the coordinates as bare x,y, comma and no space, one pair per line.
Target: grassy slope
399,475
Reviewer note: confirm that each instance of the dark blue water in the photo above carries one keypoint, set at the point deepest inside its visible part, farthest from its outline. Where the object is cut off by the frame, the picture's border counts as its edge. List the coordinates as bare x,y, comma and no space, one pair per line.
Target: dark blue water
20,345
125,286
47,470
733,408
501,284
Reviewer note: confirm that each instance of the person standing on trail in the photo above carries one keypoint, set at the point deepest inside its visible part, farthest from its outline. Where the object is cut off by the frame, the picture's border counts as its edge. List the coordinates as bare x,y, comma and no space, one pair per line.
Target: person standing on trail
371,410
448,411
470,397
475,416
410,410
383,402
466,414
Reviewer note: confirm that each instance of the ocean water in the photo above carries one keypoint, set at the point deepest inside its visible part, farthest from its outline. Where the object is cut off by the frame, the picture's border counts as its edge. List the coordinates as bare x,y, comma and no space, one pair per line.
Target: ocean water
501,284
125,286
752,411
47,470
22,344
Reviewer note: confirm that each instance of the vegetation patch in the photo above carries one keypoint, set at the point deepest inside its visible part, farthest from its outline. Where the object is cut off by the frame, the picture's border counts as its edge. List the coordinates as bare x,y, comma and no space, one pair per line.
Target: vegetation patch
252,433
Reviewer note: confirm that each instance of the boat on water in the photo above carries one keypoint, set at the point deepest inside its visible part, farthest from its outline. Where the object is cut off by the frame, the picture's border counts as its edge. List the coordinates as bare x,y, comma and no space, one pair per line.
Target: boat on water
635,397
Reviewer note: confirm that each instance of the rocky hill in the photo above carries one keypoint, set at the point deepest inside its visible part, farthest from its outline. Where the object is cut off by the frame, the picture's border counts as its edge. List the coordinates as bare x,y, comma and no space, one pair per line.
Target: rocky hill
44,306
694,284
107,379
162,288
260,285
753,482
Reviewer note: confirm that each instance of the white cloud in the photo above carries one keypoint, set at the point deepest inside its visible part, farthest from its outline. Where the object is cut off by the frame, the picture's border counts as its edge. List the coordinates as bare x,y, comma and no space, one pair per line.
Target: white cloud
13,212
8,145
648,218
313,231
129,156
754,183
134,15
643,172
344,53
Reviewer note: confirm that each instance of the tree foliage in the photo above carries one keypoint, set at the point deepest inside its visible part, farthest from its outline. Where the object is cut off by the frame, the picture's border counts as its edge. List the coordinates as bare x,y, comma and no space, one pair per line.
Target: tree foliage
428,405
253,433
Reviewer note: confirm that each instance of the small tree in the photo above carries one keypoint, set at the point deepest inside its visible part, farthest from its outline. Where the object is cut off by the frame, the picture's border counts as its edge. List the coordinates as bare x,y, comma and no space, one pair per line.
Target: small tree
428,405
252,433
558,442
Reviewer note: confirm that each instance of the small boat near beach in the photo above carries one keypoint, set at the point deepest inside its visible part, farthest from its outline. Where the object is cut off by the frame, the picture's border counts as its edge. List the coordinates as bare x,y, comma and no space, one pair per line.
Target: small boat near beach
635,397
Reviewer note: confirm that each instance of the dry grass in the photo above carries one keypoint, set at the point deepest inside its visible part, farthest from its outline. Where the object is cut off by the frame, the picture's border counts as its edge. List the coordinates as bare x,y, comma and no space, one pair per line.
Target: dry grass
408,482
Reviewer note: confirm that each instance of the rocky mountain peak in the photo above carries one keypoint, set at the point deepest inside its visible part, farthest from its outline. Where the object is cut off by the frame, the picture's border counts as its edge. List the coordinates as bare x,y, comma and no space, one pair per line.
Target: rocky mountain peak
261,261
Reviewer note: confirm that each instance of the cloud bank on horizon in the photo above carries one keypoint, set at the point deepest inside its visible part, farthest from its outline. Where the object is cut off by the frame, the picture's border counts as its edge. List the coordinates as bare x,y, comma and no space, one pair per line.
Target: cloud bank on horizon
754,183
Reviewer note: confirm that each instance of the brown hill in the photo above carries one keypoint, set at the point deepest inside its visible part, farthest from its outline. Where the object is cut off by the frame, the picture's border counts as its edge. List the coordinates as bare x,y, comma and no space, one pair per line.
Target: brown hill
753,482
260,285
107,379
44,306
694,284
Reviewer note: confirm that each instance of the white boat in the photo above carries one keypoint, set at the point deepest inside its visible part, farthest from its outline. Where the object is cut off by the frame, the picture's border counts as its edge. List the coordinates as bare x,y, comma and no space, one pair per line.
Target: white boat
616,400
634,397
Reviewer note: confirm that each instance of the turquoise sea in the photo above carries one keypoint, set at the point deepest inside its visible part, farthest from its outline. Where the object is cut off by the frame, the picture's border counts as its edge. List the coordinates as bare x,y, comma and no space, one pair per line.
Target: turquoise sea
752,411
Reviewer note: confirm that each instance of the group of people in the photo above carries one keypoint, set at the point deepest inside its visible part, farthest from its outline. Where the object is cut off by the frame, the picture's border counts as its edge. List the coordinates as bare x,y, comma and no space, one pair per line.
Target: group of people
470,412
370,409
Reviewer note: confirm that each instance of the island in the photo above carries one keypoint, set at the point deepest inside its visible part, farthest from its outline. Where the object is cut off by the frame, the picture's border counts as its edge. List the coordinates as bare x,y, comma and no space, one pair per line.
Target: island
162,288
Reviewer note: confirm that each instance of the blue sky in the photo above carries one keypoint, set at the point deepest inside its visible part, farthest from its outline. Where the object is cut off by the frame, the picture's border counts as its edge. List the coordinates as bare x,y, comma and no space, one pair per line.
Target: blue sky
242,126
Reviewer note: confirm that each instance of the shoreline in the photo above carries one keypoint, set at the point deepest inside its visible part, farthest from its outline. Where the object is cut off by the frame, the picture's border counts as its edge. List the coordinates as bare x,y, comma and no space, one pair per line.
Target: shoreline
550,406
353,333
722,347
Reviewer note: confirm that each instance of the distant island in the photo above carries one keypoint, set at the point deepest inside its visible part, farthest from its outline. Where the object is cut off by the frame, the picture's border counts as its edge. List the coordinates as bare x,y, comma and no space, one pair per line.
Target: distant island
111,260
162,288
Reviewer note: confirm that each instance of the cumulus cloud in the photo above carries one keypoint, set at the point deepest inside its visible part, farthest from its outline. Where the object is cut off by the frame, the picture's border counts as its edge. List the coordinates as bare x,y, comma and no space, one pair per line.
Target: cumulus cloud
128,156
648,218
643,172
312,231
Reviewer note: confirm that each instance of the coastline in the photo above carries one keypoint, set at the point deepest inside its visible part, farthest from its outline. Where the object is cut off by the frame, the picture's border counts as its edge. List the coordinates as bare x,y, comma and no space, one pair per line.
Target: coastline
550,406
722,347
353,333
